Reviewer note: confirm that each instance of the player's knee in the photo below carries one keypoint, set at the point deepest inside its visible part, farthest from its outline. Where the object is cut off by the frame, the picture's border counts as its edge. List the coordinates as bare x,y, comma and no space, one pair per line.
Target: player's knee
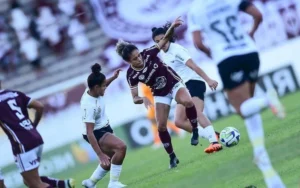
179,123
162,127
188,103
121,147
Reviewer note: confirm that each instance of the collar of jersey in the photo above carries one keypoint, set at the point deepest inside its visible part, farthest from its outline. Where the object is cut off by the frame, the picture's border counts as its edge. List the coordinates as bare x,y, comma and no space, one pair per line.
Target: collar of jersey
140,69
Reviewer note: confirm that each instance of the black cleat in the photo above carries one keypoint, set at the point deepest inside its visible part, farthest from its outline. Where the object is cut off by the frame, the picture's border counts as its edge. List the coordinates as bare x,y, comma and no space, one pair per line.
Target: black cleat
195,137
173,162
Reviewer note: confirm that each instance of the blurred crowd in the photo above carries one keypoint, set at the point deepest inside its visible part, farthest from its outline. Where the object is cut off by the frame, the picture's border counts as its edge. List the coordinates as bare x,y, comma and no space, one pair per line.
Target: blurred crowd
48,25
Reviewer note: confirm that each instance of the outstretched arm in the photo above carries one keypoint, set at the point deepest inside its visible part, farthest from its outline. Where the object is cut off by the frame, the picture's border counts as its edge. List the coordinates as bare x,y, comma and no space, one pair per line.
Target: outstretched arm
139,100
111,79
198,42
169,33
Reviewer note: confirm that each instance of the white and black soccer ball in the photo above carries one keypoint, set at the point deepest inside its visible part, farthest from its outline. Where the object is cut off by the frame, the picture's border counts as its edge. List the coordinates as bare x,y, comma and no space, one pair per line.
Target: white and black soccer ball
230,136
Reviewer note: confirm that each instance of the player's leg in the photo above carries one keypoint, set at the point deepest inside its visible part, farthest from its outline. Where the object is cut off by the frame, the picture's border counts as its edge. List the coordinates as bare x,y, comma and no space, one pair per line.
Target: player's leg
239,95
207,127
69,183
162,109
112,144
183,97
151,117
32,179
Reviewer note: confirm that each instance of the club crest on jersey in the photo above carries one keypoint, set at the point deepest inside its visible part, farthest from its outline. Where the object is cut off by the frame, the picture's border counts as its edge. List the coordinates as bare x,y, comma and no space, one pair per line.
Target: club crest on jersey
142,77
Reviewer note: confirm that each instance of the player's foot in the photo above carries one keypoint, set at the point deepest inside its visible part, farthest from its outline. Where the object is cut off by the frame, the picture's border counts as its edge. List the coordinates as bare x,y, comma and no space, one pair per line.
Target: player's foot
195,137
213,148
173,161
70,183
116,184
275,104
217,135
88,183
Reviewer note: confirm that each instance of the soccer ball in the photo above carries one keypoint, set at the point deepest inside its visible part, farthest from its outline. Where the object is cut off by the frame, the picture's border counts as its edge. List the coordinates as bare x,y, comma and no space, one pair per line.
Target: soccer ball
230,136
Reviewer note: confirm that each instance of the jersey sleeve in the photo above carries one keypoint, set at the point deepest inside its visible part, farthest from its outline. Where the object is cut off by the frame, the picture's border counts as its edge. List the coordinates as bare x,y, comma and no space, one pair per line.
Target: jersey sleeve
25,99
182,54
133,83
244,4
152,51
88,114
194,20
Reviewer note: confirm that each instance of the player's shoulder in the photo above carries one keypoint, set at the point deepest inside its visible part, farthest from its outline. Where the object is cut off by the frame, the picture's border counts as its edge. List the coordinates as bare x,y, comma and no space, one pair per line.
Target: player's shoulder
177,48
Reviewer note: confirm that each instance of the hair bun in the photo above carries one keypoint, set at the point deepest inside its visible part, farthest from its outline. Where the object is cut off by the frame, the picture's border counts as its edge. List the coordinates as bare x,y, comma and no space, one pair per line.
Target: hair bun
153,29
96,68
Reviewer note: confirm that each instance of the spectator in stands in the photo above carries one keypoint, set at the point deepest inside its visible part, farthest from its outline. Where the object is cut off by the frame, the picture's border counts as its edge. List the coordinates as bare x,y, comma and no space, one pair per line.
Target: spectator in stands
49,29
29,48
19,21
76,32
67,7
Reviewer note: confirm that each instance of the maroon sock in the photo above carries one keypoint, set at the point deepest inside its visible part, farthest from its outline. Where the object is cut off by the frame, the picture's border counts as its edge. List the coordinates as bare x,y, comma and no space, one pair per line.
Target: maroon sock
191,114
166,140
53,182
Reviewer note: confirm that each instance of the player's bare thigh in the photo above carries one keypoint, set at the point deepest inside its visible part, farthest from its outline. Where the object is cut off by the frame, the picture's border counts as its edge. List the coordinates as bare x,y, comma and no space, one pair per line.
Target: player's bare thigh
109,144
238,95
183,97
162,115
32,179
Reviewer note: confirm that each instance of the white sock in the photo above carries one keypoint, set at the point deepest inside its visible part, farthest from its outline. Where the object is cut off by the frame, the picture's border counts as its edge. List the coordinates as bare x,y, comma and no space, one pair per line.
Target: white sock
253,105
98,174
211,135
256,135
202,133
115,171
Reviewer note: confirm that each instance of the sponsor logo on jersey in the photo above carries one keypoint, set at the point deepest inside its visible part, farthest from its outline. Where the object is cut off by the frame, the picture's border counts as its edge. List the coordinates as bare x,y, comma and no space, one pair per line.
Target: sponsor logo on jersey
136,74
179,57
145,69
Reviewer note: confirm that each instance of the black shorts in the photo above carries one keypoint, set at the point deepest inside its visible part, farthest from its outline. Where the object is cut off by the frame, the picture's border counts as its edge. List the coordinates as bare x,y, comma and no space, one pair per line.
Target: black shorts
236,70
99,133
196,88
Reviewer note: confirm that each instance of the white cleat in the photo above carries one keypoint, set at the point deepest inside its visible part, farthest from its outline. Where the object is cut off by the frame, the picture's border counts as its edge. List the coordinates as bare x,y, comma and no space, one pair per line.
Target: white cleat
88,183
116,184
275,104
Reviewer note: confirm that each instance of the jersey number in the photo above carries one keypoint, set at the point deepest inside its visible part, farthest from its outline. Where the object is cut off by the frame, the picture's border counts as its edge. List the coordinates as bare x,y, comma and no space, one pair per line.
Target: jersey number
230,22
13,105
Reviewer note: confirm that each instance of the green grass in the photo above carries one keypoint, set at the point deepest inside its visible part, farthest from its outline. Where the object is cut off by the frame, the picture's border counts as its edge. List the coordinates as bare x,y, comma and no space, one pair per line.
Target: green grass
230,168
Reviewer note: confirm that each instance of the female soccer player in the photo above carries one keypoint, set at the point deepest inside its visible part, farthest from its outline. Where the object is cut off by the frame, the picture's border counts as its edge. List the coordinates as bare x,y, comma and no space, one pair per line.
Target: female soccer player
1,180
180,61
238,62
26,141
110,149
166,85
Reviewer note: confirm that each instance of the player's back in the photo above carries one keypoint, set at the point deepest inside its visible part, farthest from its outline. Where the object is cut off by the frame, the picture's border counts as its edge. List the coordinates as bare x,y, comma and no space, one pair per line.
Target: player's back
219,21
16,123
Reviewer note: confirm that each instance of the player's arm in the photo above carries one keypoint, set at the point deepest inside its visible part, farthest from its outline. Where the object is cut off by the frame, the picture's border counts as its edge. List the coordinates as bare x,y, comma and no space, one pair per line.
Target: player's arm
115,76
169,33
212,83
249,8
198,42
140,100
39,109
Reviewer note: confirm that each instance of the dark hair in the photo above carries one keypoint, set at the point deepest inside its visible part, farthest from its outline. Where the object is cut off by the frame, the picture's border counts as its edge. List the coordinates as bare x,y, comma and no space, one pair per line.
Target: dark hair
96,77
124,49
163,30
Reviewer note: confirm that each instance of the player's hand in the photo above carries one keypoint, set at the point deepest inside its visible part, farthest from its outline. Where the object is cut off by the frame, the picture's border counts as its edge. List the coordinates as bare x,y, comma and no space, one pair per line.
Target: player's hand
104,159
177,22
117,72
147,103
212,84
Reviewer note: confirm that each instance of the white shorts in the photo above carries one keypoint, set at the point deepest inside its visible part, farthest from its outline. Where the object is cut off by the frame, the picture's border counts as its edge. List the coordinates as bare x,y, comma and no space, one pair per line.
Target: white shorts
1,176
168,98
29,160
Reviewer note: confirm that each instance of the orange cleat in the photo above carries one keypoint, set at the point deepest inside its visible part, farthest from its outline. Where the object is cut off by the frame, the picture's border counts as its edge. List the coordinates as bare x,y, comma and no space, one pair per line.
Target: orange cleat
213,148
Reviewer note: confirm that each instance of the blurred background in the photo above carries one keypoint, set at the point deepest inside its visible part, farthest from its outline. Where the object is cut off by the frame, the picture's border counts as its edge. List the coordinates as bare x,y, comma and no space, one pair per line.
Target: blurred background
48,46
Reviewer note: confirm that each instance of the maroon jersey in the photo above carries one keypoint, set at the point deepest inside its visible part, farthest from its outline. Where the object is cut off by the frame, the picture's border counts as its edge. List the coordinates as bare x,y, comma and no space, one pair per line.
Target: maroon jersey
155,74
15,121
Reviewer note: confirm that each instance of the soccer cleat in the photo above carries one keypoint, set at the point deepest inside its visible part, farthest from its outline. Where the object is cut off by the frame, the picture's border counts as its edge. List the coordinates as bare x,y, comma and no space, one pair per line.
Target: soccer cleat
195,137
173,162
116,184
217,135
275,104
70,183
88,183
213,148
